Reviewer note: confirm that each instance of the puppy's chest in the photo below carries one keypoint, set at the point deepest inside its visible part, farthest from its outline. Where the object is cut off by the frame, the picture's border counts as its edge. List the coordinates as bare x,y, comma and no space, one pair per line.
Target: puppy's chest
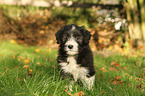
73,68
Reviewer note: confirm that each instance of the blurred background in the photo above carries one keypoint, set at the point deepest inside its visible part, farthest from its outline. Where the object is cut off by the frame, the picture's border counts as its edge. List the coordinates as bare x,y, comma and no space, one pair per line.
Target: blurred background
114,24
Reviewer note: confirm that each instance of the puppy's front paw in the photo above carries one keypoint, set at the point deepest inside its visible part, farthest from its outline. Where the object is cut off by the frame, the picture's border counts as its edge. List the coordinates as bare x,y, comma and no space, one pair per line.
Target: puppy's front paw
70,86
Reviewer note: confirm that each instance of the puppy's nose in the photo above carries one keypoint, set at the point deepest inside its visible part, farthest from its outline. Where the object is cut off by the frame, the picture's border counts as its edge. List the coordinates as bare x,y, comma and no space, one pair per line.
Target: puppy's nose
70,46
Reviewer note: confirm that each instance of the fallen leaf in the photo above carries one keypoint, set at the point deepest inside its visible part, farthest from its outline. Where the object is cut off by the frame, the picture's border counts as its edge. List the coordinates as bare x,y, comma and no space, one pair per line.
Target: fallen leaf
112,69
7,68
20,78
68,93
116,81
29,74
142,75
19,59
14,56
47,27
52,66
125,68
13,41
114,64
42,32
38,63
16,66
117,78
100,76
140,79
37,50
26,61
26,66
30,70
81,93
103,69
109,79
135,56
139,86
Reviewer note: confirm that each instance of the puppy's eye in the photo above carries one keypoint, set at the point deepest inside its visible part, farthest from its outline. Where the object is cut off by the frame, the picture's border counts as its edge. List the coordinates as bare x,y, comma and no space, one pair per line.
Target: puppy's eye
78,38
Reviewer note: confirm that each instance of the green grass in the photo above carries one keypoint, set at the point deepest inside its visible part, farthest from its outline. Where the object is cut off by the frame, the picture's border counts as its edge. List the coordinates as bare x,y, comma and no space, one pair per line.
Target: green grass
41,78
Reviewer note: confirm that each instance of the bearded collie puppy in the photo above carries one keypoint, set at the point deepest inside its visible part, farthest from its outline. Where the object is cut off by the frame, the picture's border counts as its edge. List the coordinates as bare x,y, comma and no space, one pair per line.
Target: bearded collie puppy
75,57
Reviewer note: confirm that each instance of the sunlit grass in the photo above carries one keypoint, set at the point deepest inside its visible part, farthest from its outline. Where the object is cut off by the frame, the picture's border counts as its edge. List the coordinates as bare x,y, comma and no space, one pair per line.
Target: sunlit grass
30,71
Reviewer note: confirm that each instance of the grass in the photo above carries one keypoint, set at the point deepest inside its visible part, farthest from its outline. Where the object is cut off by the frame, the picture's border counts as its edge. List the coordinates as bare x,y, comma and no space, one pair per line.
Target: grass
32,71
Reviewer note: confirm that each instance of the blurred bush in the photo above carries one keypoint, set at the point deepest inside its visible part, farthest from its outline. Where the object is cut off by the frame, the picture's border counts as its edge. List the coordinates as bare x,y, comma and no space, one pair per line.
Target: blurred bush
37,25
32,28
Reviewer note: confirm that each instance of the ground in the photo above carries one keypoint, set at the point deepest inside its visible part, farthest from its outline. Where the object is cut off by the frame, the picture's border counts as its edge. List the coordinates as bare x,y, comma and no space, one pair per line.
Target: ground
32,70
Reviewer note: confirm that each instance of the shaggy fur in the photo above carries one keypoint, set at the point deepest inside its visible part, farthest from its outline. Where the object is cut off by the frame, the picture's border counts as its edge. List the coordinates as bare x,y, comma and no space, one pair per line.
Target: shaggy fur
75,58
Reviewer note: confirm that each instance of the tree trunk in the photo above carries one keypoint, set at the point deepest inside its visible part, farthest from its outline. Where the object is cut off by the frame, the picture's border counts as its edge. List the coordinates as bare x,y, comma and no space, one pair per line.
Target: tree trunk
142,13
136,29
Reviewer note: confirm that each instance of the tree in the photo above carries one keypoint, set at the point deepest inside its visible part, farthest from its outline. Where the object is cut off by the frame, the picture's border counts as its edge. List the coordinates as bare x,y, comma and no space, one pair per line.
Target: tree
135,10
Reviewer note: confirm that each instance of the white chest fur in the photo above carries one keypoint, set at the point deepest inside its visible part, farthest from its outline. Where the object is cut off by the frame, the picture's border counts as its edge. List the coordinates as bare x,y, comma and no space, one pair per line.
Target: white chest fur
73,68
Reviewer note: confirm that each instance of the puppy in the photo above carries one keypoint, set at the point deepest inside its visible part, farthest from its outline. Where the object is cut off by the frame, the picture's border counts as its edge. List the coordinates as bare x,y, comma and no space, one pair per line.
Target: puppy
75,57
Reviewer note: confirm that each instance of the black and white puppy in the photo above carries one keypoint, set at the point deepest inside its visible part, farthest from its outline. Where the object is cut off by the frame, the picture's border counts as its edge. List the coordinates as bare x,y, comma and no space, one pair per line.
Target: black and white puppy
75,57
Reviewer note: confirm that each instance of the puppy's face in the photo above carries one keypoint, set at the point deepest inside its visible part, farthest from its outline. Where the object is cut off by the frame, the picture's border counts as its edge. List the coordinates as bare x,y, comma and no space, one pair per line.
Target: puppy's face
72,38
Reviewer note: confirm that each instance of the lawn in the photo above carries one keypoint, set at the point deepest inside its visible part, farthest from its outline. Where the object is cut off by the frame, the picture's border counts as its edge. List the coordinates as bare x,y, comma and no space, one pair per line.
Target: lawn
32,71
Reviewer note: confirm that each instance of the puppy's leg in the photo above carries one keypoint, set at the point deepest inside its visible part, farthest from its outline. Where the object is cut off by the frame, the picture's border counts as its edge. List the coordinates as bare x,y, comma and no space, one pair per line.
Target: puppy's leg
68,76
70,86
88,82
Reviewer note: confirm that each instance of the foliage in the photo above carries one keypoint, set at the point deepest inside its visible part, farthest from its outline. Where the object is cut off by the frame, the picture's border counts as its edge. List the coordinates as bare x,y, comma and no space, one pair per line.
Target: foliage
38,26
33,71
33,27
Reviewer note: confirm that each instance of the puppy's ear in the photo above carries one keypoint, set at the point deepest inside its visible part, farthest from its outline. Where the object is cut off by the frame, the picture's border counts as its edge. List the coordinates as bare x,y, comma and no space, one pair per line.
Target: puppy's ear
58,36
86,35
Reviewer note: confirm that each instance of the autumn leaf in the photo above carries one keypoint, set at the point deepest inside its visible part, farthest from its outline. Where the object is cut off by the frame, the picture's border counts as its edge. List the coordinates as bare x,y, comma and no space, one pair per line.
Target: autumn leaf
117,78
19,78
116,81
16,66
81,93
42,32
100,75
140,79
114,64
135,56
38,63
142,75
100,40
68,93
26,61
139,86
37,50
20,58
110,47
49,49
13,41
47,27
26,66
125,68
52,66
7,68
30,70
14,56
103,69
112,69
